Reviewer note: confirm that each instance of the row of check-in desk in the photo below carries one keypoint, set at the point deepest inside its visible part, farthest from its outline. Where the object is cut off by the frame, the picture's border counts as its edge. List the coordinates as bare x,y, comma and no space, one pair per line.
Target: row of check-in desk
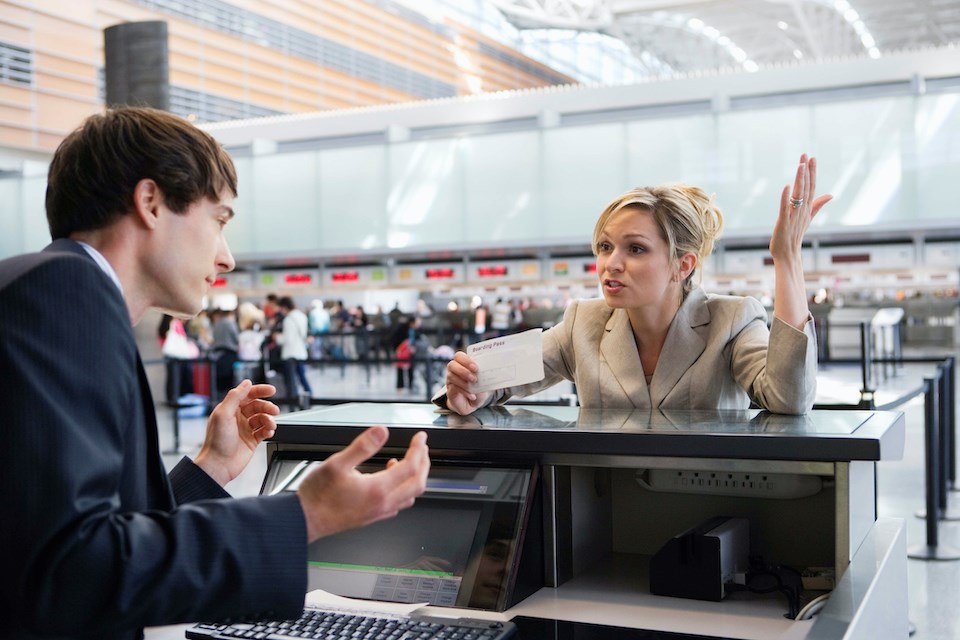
603,492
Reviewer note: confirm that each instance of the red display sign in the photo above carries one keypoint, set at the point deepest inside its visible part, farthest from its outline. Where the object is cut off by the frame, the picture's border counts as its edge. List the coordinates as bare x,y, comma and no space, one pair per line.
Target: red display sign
852,257
298,278
494,271
590,268
439,274
345,276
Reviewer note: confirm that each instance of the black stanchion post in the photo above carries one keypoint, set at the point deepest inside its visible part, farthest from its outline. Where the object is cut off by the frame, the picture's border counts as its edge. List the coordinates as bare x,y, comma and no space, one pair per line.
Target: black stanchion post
931,460
942,434
932,549
898,346
946,440
826,337
866,366
174,371
951,372
819,330
865,355
946,443
428,376
211,364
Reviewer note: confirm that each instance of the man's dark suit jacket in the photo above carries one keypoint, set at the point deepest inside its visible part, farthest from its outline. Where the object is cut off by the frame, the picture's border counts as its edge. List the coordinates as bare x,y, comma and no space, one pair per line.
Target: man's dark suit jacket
95,540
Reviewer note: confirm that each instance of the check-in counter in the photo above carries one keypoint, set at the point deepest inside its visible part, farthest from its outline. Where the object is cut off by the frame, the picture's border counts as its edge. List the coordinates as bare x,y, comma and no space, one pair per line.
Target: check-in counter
615,486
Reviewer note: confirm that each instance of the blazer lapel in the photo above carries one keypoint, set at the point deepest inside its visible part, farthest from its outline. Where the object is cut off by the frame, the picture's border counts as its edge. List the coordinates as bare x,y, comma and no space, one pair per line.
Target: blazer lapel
619,351
682,347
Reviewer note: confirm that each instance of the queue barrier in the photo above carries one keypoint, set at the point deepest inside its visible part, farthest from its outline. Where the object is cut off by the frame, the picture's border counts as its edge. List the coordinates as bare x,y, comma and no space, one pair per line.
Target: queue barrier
939,427
937,460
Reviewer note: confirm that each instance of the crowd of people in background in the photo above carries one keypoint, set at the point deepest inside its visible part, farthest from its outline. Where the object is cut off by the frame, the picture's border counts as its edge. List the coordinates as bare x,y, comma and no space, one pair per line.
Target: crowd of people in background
277,340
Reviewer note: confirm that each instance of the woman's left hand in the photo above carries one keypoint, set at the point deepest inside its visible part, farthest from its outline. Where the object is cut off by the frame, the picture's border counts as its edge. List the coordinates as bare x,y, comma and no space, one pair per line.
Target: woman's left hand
798,206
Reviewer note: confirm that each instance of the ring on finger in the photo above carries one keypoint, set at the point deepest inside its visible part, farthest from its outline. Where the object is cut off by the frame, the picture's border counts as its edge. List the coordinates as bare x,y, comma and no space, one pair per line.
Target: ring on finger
796,203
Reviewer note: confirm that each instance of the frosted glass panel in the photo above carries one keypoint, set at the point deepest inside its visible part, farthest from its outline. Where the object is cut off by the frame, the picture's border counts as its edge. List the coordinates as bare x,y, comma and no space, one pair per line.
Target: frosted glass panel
11,217
352,199
863,146
757,155
890,163
36,232
938,156
241,231
502,188
425,194
583,169
285,197
666,150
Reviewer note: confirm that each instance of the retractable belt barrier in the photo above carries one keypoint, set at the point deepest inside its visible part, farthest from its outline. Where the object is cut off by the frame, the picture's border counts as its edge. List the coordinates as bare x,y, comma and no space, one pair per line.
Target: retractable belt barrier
939,428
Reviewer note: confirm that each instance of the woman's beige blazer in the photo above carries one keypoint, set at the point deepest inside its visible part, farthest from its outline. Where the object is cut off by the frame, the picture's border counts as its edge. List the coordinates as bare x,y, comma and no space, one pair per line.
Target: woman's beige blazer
719,354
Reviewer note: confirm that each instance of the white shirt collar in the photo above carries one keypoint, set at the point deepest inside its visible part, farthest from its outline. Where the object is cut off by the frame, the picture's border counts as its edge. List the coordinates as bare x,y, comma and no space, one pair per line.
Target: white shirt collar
102,263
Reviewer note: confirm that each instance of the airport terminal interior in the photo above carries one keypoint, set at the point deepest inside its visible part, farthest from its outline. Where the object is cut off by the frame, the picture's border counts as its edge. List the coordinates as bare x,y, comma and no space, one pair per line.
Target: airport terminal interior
417,176
901,491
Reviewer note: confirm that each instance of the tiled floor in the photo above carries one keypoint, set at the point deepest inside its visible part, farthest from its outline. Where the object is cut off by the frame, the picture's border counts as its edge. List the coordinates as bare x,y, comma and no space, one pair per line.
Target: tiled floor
934,586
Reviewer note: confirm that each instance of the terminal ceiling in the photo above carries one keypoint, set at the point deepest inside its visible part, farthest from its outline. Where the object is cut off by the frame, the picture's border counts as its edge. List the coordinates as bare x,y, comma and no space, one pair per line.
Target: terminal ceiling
674,37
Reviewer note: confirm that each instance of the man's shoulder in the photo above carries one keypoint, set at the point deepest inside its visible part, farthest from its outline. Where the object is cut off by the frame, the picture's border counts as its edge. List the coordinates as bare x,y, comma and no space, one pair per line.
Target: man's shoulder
66,262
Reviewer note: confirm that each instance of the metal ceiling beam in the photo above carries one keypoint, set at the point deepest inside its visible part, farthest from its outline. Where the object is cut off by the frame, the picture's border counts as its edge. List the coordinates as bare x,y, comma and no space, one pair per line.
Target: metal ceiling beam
588,15
809,35
817,28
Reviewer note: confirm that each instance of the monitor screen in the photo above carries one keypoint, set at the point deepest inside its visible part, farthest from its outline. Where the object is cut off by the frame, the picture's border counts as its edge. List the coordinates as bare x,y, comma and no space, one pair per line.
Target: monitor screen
458,546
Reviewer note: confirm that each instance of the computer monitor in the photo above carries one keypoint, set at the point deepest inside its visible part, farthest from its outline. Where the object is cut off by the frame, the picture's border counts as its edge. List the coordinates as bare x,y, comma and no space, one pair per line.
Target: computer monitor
458,546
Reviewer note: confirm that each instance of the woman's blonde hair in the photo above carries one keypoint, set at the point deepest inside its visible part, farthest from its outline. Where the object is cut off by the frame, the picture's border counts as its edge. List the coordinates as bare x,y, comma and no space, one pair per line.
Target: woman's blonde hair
688,219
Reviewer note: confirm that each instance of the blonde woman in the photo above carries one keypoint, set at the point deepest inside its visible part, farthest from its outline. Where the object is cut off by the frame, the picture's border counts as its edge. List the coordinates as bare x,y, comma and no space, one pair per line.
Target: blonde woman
657,339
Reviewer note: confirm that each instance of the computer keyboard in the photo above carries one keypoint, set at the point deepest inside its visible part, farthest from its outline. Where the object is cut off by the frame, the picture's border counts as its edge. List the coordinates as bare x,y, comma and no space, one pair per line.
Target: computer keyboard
335,624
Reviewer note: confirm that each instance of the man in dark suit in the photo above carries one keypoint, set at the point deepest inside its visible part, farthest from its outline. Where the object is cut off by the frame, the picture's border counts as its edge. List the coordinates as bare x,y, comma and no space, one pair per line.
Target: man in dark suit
96,540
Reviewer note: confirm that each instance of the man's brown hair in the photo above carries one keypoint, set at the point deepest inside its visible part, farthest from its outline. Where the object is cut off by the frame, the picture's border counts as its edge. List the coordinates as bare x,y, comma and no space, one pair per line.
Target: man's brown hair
95,169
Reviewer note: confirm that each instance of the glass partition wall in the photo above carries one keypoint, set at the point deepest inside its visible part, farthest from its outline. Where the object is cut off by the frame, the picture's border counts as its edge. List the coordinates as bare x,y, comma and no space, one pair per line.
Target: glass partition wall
891,162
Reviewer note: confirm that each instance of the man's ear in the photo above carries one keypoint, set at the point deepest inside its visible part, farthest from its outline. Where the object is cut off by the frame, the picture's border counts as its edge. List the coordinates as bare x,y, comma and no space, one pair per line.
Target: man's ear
147,199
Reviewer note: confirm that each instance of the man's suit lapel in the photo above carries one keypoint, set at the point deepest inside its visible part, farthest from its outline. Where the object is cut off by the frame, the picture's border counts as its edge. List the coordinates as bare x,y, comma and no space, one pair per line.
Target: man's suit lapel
619,350
682,347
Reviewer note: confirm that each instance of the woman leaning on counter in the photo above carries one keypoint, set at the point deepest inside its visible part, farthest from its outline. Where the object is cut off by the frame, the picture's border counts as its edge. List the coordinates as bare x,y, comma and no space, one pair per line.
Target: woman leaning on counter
657,339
